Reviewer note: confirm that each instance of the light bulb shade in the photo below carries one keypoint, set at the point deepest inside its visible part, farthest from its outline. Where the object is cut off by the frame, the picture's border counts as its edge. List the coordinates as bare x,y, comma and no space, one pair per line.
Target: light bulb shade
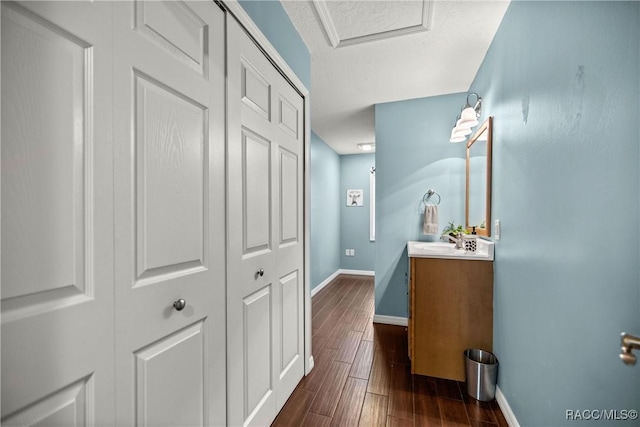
468,118
462,129
457,136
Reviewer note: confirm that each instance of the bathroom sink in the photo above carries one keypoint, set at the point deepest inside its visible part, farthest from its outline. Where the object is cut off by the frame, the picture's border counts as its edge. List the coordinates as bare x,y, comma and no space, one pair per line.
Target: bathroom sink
435,247
484,251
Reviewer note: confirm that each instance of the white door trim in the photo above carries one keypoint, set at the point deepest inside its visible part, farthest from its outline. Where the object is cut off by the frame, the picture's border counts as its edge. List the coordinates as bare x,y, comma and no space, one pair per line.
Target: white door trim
233,7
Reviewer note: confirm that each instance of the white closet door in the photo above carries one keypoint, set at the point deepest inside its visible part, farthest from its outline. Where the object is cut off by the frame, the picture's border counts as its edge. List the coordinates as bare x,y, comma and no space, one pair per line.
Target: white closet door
169,206
57,234
265,204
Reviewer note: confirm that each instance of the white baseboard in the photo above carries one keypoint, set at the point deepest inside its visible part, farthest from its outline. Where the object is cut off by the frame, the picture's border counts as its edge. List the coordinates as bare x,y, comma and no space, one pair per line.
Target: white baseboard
312,363
324,283
338,272
390,320
506,409
357,272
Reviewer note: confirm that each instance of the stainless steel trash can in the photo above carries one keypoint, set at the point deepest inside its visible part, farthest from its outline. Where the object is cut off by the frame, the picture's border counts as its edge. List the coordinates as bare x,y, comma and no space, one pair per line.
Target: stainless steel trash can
482,373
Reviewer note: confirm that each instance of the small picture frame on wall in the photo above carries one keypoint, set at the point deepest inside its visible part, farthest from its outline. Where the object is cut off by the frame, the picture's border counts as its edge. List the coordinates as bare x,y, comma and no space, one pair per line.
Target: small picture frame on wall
355,198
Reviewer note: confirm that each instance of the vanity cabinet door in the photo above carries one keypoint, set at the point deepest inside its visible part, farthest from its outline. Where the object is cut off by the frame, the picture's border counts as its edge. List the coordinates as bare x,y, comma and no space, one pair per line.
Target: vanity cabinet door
452,303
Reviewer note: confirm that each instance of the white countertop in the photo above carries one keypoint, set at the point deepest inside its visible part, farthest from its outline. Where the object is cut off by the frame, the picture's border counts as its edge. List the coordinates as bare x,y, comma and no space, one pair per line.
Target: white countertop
484,250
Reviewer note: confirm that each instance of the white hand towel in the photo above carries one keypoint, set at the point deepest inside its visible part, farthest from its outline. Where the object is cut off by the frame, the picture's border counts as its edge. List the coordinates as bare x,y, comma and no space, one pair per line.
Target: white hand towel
430,225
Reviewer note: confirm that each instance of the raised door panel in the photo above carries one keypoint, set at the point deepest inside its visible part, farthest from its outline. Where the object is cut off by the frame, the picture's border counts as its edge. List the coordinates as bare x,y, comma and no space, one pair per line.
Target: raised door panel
170,212
257,356
45,174
177,28
288,123
290,330
256,193
57,233
171,185
255,89
289,197
170,379
289,117
70,406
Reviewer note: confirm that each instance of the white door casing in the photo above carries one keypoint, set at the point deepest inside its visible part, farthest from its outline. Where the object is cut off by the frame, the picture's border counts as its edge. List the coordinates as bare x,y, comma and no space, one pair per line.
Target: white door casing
265,297
57,226
169,121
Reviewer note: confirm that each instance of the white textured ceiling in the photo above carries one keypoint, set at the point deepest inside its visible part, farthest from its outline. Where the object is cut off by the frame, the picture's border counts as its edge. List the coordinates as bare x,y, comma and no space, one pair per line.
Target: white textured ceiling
367,52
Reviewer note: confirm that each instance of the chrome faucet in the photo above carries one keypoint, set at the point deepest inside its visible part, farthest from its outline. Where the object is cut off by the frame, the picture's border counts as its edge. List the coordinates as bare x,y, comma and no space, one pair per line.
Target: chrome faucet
458,240
629,342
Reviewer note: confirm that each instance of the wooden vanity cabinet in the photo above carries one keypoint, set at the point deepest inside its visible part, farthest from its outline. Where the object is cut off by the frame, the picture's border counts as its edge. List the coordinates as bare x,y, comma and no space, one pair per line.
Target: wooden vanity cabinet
450,310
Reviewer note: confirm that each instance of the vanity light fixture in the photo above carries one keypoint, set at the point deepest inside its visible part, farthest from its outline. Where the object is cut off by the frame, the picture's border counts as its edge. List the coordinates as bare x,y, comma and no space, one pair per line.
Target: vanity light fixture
368,146
467,119
459,134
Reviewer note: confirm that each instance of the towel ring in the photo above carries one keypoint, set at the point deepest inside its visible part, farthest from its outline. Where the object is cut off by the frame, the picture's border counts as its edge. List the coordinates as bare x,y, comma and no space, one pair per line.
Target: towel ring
428,195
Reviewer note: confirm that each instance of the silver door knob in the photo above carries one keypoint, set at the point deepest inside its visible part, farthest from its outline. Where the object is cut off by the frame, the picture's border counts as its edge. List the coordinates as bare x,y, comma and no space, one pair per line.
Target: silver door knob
260,272
179,304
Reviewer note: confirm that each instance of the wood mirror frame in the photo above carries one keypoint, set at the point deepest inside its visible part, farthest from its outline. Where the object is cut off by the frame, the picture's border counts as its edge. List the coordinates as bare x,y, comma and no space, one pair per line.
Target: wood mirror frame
487,127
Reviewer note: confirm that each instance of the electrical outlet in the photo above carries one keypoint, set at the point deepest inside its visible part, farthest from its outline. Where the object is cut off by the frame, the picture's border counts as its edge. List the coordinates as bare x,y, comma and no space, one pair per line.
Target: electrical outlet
497,229
346,252
353,252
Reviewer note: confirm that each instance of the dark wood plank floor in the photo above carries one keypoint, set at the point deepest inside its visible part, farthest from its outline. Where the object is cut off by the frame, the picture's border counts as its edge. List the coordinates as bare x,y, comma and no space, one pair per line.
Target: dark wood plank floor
362,374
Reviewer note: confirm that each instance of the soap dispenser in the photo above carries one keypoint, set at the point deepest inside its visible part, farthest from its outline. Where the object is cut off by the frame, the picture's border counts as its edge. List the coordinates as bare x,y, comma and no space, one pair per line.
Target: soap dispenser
470,241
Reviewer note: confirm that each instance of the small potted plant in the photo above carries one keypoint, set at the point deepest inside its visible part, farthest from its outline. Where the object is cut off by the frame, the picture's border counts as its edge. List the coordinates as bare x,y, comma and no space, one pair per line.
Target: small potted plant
453,233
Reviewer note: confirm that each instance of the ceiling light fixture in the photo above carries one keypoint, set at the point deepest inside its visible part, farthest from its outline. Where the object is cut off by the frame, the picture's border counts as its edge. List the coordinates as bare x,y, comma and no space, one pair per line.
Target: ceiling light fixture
368,146
467,119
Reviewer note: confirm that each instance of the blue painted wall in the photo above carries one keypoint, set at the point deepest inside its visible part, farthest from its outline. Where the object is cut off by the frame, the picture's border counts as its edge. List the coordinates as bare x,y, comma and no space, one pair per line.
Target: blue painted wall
354,221
562,80
273,21
325,210
413,154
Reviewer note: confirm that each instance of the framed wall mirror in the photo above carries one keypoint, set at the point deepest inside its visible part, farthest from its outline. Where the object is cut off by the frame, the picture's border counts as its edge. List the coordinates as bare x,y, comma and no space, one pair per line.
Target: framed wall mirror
478,197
